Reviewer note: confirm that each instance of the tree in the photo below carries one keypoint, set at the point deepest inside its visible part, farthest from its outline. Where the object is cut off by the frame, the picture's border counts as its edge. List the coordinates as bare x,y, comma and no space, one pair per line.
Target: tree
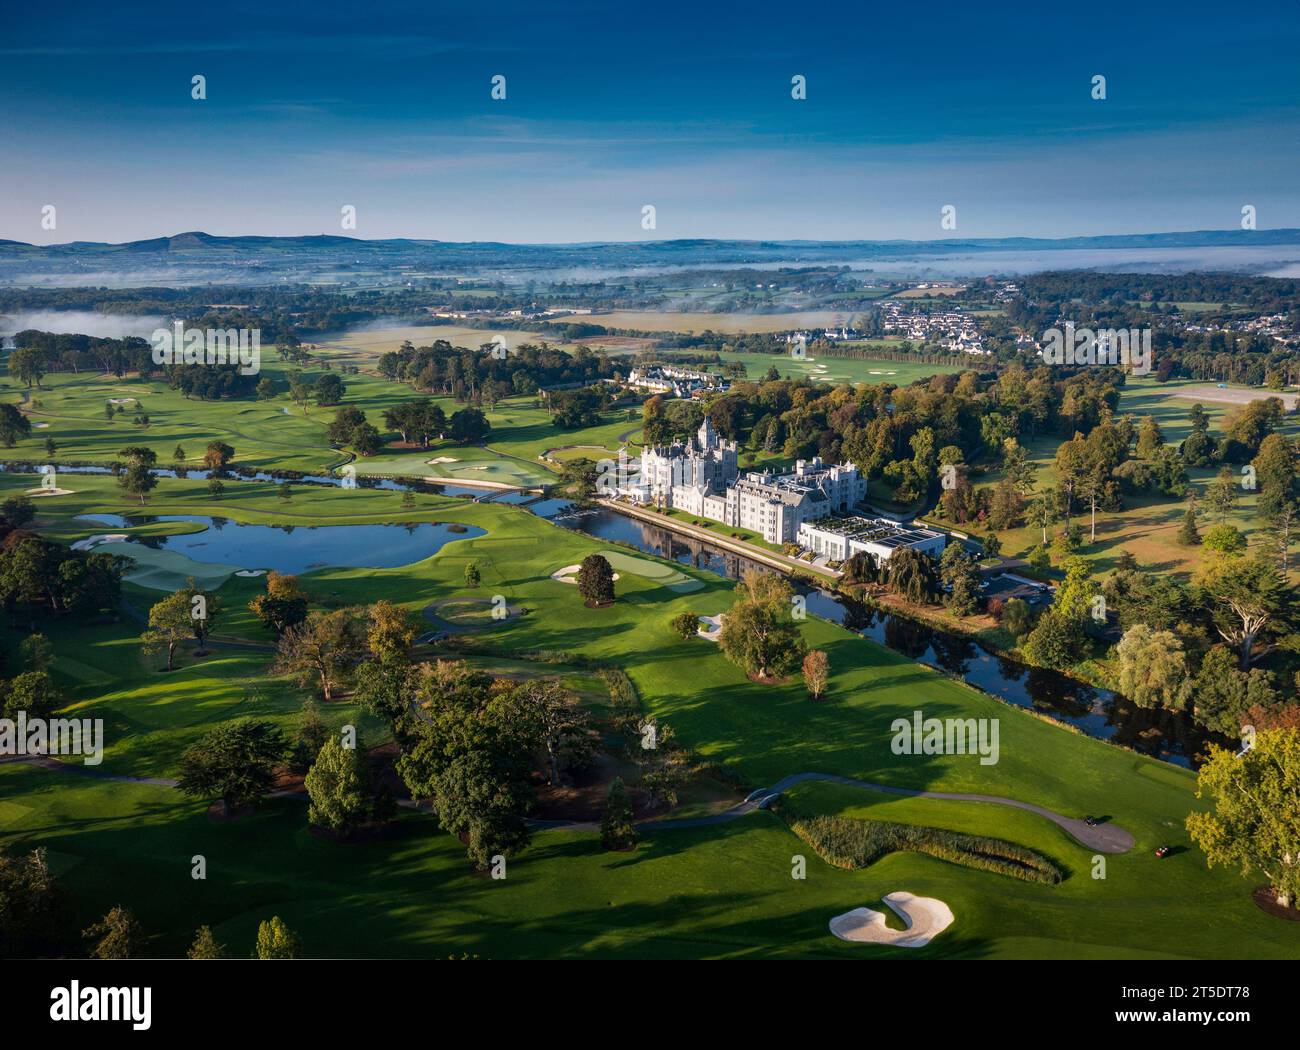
217,456
1251,603
554,718
205,946
912,575
1255,823
1150,438
1074,596
758,633
18,510
1017,617
957,570
31,904
215,488
276,941
390,630
816,673
28,365
596,581
1221,493
338,789
33,692
482,802
385,688
860,568
617,832
37,652
471,754
328,390
1187,534
284,604
469,426
1054,642
169,625
319,649
686,625
137,481
1224,539
472,577
13,425
311,737
235,762
1223,694
117,935
1153,668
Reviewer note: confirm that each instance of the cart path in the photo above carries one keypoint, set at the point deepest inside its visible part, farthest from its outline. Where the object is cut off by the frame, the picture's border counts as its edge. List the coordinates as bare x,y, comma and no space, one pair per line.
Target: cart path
1104,838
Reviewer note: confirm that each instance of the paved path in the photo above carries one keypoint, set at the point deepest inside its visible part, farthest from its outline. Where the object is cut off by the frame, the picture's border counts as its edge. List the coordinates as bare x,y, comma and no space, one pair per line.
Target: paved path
45,762
1104,838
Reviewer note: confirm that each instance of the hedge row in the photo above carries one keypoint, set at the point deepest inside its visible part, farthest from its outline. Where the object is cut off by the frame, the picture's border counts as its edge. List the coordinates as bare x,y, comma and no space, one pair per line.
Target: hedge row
847,842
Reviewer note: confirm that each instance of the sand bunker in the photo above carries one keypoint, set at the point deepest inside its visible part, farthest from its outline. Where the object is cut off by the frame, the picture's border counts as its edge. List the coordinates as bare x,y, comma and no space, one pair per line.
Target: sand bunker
251,572
712,632
569,574
41,426
49,492
91,541
120,400
926,918
441,460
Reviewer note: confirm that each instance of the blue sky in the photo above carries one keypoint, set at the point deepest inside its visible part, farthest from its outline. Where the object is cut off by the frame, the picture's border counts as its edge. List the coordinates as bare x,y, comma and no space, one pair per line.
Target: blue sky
611,106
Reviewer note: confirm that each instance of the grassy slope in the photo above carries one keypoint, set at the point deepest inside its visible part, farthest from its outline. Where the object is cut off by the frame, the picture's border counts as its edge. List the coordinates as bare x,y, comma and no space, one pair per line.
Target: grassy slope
710,891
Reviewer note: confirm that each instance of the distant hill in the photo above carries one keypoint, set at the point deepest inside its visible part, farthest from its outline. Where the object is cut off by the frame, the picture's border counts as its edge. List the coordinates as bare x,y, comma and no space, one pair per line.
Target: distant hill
195,257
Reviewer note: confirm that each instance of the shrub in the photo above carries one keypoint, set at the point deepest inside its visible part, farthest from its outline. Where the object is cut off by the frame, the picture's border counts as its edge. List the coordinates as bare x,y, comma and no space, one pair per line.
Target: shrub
686,625
845,842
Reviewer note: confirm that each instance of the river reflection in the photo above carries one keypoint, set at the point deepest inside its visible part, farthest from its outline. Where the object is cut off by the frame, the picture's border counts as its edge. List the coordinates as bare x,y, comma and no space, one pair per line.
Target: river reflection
1096,712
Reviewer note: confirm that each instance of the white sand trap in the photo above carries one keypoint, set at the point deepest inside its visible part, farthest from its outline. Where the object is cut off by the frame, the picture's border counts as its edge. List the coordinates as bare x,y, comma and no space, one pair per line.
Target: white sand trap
49,492
713,631
926,918
441,460
108,537
40,426
251,572
569,574
120,400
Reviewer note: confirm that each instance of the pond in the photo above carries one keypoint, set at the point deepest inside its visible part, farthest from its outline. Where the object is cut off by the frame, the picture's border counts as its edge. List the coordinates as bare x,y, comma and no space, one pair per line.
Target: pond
361,481
292,548
1097,712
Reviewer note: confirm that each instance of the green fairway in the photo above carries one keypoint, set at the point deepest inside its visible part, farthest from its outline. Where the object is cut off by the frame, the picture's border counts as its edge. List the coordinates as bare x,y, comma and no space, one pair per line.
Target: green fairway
279,435
722,890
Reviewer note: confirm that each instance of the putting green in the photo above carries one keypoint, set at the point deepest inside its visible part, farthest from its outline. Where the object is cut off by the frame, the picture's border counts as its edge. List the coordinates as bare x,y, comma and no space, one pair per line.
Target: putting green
651,570
164,570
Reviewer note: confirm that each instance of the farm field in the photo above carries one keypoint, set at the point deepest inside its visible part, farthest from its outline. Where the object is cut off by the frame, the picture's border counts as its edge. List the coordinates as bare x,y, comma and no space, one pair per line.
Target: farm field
415,894
731,323
826,369
364,345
